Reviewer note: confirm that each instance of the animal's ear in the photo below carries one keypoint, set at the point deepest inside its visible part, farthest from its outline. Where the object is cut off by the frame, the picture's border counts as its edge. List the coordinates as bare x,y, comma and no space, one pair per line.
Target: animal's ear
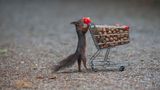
74,22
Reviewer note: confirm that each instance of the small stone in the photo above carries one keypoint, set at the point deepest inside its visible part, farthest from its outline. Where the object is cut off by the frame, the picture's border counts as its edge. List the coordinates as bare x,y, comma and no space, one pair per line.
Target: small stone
22,62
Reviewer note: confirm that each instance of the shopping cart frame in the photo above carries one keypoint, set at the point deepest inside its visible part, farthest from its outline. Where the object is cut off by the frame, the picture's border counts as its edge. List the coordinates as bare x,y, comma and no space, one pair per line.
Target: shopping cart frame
106,61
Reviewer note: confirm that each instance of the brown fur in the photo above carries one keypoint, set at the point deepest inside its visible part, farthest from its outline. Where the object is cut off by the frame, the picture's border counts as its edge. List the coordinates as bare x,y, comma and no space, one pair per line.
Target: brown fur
80,53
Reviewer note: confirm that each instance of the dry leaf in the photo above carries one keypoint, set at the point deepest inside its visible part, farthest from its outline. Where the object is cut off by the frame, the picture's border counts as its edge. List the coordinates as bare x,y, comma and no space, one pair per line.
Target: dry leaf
23,84
52,77
39,77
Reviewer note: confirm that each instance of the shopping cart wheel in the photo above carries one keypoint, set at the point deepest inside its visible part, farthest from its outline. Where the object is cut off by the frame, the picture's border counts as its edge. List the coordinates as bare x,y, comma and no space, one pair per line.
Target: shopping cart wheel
121,68
94,70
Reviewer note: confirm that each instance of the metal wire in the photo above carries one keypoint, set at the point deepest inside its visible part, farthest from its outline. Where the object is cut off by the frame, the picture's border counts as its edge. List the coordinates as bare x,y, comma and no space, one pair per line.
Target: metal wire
93,57
106,58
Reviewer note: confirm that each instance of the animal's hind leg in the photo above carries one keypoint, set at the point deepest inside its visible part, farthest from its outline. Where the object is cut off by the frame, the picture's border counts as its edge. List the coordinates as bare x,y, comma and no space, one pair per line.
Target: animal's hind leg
79,64
84,62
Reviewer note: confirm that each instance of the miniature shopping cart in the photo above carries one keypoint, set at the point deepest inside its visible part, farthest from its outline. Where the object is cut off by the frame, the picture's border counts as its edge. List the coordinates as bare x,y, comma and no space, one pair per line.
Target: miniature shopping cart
107,37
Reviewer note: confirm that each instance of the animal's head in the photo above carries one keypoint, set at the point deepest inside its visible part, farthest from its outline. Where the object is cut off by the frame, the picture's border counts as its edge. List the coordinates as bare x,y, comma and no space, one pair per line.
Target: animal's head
82,24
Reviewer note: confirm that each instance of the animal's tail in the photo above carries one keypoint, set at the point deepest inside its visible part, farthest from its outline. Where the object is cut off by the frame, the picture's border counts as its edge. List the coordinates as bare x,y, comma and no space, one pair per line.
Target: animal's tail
67,62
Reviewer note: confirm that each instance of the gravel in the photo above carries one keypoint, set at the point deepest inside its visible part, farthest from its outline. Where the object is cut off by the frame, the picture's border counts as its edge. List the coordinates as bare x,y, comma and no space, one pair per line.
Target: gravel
36,34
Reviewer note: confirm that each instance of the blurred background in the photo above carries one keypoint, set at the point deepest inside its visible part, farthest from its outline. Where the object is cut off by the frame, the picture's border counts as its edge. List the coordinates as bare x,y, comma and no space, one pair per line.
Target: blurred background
50,17
45,21
37,33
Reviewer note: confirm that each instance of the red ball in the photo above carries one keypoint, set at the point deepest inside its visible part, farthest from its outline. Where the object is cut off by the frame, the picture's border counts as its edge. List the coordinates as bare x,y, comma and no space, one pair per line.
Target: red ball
126,27
86,20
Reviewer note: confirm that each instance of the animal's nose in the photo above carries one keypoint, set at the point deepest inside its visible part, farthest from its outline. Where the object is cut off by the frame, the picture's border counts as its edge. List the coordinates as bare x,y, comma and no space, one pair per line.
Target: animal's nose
74,22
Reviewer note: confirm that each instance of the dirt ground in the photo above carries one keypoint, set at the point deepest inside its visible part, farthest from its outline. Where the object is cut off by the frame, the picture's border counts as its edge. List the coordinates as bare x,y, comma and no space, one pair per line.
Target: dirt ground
36,34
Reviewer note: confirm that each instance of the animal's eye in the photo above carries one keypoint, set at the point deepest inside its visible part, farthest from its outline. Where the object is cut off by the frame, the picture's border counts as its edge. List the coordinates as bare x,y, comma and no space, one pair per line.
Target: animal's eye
81,24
